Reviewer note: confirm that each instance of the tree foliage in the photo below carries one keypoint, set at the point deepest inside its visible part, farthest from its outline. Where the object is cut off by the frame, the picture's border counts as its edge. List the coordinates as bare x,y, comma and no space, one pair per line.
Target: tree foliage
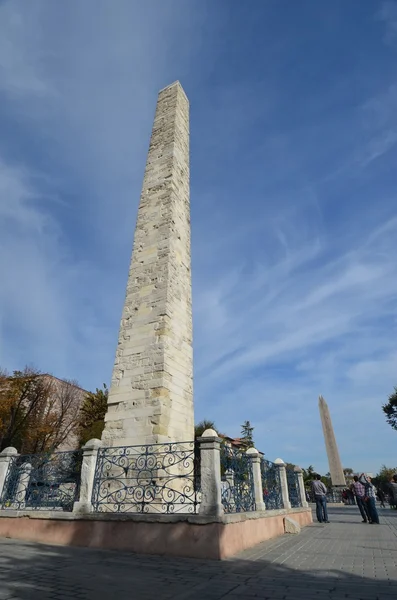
92,415
384,476
349,474
37,412
199,429
390,409
308,474
327,481
247,432
202,426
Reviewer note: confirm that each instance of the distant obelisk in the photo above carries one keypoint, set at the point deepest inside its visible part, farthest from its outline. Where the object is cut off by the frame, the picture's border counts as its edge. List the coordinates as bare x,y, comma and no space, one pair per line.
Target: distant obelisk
151,395
335,465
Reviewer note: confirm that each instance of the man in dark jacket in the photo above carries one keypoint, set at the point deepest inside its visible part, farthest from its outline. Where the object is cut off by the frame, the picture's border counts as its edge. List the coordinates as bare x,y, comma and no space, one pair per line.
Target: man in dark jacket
381,497
320,496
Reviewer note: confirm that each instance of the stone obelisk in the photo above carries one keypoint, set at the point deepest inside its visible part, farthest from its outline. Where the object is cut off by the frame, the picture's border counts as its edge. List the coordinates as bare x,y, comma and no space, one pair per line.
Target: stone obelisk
151,395
335,465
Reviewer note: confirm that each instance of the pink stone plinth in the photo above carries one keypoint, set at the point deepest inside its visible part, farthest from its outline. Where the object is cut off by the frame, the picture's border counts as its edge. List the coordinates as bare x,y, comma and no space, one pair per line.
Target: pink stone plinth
192,536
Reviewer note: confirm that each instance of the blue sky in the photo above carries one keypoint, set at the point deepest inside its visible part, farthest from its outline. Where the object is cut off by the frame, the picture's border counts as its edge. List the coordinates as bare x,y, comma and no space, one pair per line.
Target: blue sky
294,209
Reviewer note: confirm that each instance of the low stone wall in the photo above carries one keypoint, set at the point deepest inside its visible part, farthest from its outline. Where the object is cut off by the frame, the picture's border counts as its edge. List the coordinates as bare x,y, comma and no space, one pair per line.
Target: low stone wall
192,536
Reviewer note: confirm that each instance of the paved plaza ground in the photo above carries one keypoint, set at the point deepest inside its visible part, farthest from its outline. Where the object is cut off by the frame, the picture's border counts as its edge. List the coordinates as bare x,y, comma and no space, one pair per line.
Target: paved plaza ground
345,559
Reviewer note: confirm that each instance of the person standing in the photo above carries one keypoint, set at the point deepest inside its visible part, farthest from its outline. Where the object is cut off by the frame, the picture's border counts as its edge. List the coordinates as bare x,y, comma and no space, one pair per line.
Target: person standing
370,498
393,491
381,497
358,490
350,496
320,496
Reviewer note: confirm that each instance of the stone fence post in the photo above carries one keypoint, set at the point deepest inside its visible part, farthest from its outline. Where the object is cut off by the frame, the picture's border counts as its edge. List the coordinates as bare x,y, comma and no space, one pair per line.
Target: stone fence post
90,454
302,490
210,472
6,457
280,464
253,454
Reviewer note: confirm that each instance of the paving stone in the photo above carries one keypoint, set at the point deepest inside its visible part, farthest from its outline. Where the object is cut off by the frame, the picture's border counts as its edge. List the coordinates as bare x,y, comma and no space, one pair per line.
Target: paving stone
342,560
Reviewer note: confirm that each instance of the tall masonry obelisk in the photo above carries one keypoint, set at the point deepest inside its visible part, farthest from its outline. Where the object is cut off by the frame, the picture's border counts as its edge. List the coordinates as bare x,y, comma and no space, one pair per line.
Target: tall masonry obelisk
335,465
151,395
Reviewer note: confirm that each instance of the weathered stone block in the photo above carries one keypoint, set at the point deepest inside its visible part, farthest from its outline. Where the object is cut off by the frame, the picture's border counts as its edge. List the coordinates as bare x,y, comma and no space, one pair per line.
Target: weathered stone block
291,526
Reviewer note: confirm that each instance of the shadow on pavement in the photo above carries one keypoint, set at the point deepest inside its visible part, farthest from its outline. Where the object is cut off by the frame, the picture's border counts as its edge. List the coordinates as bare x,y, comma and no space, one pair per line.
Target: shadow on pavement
33,572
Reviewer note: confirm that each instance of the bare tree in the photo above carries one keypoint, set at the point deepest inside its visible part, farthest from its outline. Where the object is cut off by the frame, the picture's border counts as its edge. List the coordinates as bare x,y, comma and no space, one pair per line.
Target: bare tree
38,412
57,421
22,396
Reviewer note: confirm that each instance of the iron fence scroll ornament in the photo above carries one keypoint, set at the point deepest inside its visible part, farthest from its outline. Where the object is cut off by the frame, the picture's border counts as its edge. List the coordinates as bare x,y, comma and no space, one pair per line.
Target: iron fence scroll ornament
238,483
43,481
150,478
293,488
334,496
271,485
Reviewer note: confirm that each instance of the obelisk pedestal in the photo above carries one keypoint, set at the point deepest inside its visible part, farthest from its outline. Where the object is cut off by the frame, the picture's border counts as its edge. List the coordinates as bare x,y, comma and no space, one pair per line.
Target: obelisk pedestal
335,465
150,399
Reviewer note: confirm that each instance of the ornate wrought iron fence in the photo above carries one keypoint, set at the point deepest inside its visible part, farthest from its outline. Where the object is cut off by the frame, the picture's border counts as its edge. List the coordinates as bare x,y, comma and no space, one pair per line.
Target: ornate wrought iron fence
271,485
151,478
334,496
43,481
238,484
293,488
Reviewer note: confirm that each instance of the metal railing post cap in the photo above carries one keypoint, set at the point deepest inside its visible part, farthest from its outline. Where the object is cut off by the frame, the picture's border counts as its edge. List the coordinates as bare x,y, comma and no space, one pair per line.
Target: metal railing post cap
93,444
252,452
10,451
210,433
279,462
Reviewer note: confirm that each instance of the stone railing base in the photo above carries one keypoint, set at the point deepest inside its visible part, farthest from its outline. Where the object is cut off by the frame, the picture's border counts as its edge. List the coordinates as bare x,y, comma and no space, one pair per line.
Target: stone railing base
195,536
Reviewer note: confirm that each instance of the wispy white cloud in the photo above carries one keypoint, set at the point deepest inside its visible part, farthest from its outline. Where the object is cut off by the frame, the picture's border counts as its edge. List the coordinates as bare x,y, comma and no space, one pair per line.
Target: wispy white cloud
293,204
311,308
285,308
43,309
78,87
388,15
86,83
21,56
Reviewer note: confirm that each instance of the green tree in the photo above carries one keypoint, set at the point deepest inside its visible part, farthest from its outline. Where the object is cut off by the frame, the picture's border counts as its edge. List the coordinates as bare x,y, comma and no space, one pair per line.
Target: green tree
326,479
37,412
92,415
308,474
348,473
202,426
390,409
247,434
384,476
199,429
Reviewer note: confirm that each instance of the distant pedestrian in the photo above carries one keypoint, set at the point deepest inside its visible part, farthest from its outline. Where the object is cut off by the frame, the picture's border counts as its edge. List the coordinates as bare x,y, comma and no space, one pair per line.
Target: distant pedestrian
350,497
370,498
320,496
393,491
381,497
358,490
